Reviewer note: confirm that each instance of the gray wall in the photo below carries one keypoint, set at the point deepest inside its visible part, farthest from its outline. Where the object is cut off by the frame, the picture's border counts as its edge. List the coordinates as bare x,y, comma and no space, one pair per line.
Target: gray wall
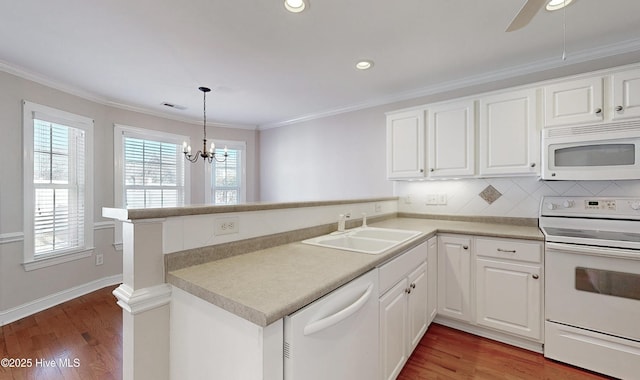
18,287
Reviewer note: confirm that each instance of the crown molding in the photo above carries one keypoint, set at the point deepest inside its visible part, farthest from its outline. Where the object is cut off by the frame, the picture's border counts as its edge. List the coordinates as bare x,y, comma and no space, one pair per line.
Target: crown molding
573,58
75,91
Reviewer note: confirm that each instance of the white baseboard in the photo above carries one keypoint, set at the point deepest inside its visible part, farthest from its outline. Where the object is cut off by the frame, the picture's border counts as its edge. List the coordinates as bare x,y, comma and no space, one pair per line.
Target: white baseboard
27,309
527,344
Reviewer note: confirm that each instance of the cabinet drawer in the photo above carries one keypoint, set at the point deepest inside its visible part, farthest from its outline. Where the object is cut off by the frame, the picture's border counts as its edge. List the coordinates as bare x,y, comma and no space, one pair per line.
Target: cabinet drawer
393,271
509,249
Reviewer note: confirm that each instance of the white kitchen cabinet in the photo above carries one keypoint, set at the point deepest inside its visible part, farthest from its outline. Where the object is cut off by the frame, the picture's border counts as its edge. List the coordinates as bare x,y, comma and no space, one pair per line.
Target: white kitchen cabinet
577,101
451,139
406,144
417,314
454,277
509,286
432,278
403,309
509,141
626,94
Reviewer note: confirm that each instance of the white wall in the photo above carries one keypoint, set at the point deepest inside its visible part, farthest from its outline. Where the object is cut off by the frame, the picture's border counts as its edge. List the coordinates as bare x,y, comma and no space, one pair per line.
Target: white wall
22,291
340,157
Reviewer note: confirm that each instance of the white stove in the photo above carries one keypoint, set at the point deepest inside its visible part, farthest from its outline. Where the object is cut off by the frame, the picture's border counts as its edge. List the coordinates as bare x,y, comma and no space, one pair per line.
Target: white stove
592,283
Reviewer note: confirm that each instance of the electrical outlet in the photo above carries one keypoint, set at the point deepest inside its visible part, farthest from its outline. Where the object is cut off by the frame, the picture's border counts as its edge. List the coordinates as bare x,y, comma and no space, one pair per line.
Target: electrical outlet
432,199
226,226
442,199
99,259
377,207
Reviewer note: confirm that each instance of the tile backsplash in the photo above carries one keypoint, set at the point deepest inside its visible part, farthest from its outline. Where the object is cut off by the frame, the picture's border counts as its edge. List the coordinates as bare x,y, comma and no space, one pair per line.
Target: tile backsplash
520,196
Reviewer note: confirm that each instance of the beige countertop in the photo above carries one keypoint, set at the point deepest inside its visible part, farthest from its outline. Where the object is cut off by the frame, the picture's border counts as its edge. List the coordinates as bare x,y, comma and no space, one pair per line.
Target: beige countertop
266,285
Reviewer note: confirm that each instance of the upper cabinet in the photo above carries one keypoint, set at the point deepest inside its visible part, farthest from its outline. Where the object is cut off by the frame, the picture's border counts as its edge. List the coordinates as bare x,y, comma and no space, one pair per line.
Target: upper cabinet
446,151
405,145
585,101
438,141
626,94
573,102
451,139
509,140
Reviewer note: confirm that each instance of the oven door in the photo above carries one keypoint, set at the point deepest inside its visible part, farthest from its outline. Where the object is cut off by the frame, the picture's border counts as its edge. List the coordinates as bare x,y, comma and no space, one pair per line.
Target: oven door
595,288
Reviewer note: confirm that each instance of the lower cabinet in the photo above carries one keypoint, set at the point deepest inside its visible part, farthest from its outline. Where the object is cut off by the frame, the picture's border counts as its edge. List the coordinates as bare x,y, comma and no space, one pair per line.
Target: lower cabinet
454,277
508,297
493,286
509,286
404,315
432,278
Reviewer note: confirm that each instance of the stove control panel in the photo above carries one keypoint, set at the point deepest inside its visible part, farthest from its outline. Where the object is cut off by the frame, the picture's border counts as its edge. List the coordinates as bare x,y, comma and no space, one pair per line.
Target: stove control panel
594,207
602,204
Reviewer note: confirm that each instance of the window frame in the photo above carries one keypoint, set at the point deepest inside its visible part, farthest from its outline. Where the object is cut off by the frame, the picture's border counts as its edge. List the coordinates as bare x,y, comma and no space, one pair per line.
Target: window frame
208,184
30,112
119,132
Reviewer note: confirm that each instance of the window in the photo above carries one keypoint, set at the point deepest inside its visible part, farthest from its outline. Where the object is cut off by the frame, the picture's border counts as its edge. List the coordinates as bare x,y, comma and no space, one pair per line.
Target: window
227,179
150,169
58,185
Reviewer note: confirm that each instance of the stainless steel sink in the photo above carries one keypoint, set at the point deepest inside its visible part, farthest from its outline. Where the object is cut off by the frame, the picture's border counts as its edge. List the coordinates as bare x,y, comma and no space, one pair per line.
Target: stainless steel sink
370,240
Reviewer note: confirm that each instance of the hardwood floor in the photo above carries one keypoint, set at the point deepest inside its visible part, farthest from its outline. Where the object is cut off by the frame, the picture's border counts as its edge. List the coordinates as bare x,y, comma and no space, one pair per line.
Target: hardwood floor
80,339
445,353
85,335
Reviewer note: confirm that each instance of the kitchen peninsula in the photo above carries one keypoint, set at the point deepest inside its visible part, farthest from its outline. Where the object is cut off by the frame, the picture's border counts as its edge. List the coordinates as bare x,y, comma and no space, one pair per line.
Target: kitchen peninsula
184,283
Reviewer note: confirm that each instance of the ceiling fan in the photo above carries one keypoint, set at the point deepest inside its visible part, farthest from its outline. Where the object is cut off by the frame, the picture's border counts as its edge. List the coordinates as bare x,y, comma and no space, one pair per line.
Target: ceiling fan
531,8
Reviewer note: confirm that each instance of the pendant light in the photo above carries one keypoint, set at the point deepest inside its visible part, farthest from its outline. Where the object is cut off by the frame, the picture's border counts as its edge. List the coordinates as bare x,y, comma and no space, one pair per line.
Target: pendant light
207,155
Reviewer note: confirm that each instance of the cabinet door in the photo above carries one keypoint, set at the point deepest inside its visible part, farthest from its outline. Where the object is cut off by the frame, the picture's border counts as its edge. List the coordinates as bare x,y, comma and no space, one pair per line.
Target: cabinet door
508,297
454,267
573,102
432,278
626,95
417,306
393,330
509,141
405,144
451,139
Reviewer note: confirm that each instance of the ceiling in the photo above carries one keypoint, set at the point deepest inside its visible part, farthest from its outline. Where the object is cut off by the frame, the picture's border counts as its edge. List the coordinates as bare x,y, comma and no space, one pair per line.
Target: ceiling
268,67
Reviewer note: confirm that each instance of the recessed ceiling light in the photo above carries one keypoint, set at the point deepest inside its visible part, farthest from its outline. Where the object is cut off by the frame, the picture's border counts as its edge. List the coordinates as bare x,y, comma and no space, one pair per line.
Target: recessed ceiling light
554,5
295,6
365,64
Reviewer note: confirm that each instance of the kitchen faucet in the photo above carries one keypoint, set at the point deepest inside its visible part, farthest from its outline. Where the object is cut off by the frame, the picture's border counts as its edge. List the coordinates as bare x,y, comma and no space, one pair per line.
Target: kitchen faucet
341,222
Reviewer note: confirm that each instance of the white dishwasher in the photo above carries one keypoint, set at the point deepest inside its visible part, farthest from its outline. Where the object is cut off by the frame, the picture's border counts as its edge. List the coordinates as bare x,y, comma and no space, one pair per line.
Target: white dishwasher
335,337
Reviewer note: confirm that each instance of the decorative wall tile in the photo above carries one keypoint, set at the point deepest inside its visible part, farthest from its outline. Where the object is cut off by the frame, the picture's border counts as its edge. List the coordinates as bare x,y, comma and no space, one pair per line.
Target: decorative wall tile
490,194
521,196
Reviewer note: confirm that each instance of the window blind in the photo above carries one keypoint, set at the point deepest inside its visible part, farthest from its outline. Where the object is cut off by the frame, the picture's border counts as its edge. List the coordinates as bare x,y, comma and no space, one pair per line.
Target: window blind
227,177
153,173
59,187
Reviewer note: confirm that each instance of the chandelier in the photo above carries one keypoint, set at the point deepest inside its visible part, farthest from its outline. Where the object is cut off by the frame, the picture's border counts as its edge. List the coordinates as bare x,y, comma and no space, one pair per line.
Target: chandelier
207,155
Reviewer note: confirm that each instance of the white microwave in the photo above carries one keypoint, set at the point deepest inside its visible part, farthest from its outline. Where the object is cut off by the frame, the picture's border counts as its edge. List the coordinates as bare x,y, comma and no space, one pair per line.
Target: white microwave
592,152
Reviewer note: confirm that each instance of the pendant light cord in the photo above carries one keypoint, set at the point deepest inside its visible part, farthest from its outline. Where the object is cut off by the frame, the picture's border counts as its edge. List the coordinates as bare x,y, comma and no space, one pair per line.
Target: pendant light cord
564,31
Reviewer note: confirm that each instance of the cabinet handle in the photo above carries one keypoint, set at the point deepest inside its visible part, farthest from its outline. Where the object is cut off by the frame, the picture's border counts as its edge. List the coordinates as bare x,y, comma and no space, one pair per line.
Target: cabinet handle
533,164
413,285
506,250
407,290
619,108
432,170
598,111
465,247
535,276
421,170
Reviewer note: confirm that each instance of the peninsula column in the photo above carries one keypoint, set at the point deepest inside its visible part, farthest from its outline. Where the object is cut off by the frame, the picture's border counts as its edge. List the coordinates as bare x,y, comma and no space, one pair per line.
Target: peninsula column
144,298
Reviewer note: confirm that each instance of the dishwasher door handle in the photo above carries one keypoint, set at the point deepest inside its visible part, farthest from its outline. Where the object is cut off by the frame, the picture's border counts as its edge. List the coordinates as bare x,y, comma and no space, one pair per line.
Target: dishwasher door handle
331,320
